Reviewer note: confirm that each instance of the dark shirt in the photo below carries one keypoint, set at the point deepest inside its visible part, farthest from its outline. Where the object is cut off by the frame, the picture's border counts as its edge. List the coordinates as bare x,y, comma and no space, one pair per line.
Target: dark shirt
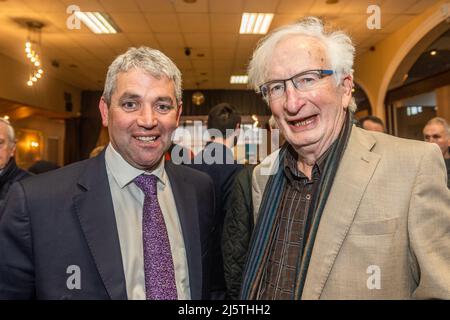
291,215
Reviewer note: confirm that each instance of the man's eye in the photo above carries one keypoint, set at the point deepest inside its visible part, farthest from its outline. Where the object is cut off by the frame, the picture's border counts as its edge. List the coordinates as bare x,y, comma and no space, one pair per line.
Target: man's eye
306,80
129,105
276,87
163,108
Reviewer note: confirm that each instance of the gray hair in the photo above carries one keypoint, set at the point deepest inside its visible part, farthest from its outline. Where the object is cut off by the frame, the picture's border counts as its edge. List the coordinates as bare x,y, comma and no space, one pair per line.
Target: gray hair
150,60
339,48
442,122
10,131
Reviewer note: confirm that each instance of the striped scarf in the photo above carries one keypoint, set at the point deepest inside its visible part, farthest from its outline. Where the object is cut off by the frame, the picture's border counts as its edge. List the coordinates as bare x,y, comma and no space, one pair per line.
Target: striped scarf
265,229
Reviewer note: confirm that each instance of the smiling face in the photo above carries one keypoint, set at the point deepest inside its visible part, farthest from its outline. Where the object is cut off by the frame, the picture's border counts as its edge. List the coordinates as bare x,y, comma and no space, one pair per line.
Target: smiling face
142,117
310,120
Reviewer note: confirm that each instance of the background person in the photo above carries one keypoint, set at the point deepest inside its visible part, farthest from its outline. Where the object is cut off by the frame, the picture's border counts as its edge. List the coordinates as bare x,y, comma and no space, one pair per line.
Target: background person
437,131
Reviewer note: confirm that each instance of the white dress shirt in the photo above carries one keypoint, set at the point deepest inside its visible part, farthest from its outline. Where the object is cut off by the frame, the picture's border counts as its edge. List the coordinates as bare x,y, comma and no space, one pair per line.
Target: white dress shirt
128,201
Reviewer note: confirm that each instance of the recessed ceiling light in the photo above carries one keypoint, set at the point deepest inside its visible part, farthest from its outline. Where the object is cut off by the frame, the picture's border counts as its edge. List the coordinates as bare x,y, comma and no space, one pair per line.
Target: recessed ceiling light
239,79
433,52
255,23
97,22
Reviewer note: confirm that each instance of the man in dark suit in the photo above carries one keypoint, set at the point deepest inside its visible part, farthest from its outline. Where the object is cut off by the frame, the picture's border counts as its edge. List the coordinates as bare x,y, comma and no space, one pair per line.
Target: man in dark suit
217,160
125,224
9,171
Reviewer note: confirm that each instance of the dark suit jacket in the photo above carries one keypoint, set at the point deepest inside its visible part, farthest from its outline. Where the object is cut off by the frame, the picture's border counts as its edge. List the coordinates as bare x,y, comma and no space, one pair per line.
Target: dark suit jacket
223,175
66,217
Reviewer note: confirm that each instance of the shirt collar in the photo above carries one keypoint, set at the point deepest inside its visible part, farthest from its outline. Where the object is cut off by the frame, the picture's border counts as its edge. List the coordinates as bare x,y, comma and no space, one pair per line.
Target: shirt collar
290,163
124,173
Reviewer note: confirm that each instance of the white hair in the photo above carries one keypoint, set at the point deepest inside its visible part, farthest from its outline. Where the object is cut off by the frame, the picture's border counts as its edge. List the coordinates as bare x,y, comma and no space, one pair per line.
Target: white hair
10,131
442,122
150,60
339,48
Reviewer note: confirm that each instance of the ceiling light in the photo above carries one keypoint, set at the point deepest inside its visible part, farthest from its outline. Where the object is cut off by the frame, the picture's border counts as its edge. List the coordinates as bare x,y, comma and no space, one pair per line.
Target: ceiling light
433,52
33,51
255,23
97,22
238,79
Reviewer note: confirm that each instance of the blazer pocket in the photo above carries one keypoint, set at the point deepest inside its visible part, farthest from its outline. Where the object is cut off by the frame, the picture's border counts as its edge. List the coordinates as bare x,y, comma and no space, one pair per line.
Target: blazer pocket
378,227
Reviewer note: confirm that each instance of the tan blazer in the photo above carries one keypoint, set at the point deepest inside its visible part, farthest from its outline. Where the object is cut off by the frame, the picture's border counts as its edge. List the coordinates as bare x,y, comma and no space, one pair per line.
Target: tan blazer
385,230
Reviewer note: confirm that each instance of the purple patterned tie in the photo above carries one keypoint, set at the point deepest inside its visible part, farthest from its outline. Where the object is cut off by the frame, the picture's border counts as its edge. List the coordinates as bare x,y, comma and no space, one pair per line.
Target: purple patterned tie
158,263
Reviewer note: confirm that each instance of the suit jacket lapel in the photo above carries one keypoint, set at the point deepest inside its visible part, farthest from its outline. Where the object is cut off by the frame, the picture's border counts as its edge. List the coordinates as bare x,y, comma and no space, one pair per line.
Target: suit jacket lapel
355,171
95,211
186,203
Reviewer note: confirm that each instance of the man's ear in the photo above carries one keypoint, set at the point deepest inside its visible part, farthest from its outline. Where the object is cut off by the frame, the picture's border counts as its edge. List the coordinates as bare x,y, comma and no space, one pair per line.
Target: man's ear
179,110
347,86
104,111
13,150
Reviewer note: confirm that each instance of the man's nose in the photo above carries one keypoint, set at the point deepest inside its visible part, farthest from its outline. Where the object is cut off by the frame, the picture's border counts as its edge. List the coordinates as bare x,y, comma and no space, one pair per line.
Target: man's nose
295,99
147,117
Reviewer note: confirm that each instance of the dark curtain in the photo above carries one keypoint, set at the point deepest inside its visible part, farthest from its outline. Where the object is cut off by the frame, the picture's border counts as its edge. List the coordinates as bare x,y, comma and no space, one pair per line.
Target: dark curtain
246,101
72,141
91,122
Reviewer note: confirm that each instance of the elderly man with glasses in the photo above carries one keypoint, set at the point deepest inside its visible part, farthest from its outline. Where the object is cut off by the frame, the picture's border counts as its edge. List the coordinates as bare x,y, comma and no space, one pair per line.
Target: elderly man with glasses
342,213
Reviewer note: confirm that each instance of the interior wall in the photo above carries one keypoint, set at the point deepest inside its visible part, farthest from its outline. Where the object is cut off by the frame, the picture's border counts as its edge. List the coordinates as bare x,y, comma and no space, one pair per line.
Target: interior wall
375,69
443,102
50,129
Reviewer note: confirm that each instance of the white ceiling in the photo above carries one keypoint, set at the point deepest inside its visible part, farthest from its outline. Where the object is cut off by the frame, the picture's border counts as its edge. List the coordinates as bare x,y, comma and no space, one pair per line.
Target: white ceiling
209,27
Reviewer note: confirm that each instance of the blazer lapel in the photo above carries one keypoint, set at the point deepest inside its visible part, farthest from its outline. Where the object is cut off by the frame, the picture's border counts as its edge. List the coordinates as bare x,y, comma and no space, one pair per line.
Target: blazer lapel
186,203
354,173
95,211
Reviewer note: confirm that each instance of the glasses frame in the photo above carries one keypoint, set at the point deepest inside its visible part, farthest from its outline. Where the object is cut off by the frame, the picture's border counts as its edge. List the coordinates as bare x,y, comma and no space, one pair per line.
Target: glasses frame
322,74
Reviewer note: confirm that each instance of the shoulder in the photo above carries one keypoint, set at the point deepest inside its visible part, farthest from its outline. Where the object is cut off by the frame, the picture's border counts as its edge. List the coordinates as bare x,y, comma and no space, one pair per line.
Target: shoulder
389,145
58,179
22,174
187,173
267,167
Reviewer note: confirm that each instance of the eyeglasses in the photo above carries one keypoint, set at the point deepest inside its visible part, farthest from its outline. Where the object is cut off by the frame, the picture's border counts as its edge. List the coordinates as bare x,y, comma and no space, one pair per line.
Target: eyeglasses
303,81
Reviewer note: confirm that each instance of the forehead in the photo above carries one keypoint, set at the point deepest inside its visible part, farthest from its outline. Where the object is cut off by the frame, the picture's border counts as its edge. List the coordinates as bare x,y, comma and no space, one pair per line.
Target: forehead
297,53
434,128
3,130
143,82
371,123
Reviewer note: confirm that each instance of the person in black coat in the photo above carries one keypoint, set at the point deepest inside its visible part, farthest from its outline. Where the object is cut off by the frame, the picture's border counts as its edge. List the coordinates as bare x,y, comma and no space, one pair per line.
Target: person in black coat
217,160
9,171
237,231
